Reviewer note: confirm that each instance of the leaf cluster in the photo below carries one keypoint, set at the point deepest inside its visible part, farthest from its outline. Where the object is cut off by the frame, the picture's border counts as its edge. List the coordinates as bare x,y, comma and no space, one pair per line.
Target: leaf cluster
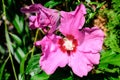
110,56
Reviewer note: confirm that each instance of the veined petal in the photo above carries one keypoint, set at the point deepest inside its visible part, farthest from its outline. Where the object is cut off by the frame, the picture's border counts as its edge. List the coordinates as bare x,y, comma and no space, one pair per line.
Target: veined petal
50,61
74,19
93,57
93,40
79,18
80,64
48,43
52,57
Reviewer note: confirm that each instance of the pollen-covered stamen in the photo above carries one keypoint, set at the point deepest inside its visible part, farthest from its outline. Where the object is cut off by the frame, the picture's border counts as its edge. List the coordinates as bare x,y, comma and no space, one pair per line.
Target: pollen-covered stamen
68,44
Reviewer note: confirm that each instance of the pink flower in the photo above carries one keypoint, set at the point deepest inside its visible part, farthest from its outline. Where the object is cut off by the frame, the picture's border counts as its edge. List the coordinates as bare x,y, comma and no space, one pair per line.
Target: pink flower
79,49
44,17
81,54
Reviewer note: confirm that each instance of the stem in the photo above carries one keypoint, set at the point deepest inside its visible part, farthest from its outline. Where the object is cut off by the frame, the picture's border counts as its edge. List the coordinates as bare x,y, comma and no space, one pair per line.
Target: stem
66,5
32,1
6,35
13,65
33,48
78,0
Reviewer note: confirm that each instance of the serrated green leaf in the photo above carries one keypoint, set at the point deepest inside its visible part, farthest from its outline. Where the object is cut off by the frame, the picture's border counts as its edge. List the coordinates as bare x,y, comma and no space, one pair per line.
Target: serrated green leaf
41,76
16,39
18,23
33,65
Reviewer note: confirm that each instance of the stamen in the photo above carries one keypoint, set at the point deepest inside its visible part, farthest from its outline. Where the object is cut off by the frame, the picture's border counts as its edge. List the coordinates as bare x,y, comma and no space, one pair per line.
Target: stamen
68,44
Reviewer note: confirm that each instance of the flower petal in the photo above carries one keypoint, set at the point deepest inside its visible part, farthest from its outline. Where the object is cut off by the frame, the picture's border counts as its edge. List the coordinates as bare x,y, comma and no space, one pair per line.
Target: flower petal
79,18
80,64
49,62
74,19
52,57
93,40
93,57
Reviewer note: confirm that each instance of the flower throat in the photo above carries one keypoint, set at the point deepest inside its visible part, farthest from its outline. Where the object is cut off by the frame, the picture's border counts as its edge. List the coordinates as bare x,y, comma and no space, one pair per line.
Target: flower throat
68,44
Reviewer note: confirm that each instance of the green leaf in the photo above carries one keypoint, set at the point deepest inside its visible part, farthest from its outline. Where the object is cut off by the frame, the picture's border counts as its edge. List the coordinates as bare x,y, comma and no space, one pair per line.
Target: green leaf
88,1
51,4
9,2
2,50
22,66
33,65
112,78
41,76
61,73
18,23
6,76
2,68
110,57
19,54
69,78
27,29
16,39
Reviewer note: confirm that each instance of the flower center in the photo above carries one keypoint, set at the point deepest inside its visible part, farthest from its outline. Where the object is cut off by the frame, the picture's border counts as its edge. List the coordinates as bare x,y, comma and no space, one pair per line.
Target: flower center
68,44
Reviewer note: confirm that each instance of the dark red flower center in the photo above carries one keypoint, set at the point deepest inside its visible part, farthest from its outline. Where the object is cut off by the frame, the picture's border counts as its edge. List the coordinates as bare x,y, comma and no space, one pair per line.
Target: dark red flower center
68,44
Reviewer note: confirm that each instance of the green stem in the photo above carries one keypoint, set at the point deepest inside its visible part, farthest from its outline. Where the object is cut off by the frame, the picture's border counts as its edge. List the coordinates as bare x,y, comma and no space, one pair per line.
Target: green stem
32,1
13,65
78,1
66,5
6,35
33,48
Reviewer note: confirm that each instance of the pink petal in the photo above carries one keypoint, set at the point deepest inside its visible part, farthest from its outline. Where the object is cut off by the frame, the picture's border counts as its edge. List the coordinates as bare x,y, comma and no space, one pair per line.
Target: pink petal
52,57
79,19
80,64
74,19
93,40
93,57
50,61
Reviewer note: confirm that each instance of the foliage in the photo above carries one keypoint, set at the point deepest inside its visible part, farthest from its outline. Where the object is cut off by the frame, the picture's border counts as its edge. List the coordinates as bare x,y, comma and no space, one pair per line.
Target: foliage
19,58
